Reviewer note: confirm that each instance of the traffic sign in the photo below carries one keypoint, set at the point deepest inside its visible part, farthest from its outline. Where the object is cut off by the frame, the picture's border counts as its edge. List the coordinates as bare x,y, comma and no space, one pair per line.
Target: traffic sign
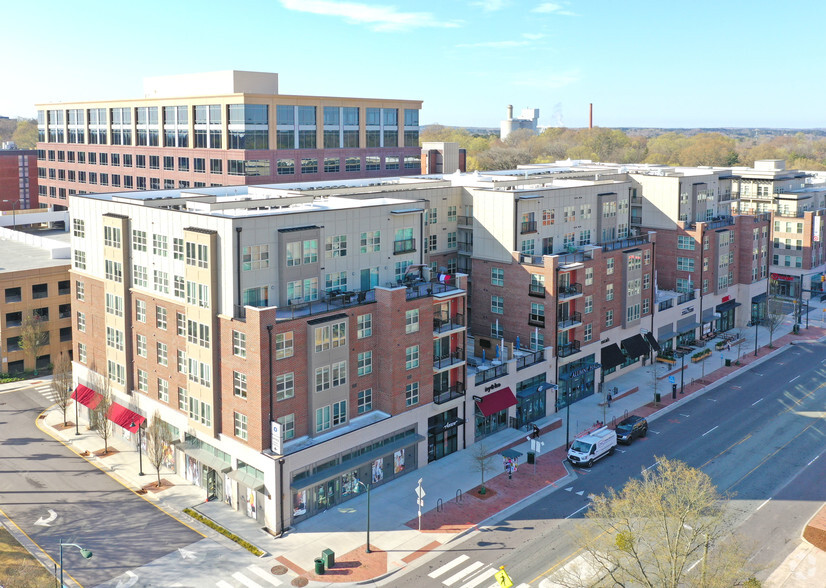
503,578
672,380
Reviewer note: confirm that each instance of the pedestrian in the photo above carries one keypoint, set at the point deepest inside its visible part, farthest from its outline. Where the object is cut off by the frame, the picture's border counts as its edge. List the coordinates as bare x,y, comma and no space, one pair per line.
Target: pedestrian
609,400
728,346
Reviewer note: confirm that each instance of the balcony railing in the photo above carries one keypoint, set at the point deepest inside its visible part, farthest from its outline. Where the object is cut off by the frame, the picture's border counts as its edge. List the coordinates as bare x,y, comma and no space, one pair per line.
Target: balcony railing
528,227
404,246
537,290
569,348
442,395
466,221
636,220
567,291
443,323
465,247
449,359
572,320
536,320
531,259
492,373
625,243
685,297
532,357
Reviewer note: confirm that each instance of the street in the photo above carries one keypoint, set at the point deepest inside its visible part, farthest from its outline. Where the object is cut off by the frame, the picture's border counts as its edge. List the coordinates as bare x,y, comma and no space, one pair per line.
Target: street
758,436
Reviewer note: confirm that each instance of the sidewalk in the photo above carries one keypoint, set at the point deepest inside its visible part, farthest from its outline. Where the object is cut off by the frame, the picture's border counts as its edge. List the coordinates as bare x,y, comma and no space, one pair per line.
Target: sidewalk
394,536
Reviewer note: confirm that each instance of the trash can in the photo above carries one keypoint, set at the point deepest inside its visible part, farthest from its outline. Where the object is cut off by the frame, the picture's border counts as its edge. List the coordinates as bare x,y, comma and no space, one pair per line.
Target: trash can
796,329
329,558
319,566
656,397
728,363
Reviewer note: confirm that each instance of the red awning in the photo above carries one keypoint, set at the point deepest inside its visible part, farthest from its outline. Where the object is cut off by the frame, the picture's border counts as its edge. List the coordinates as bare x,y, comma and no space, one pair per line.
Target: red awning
120,415
496,401
86,396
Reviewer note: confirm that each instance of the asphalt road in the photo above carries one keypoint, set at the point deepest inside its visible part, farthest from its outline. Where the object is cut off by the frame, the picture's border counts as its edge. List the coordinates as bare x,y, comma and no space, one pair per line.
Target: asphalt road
756,436
38,474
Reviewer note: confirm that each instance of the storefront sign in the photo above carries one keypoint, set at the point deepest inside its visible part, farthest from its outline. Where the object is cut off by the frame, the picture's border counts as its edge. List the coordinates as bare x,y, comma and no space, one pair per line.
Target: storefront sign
276,437
582,371
446,427
688,310
606,340
782,278
816,234
493,386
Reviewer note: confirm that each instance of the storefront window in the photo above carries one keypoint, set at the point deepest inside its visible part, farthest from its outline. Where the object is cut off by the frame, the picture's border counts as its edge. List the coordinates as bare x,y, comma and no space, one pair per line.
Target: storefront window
530,402
443,434
576,381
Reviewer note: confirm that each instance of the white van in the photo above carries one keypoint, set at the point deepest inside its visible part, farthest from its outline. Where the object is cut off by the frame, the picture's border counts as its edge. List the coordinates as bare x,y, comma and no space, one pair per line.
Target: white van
589,448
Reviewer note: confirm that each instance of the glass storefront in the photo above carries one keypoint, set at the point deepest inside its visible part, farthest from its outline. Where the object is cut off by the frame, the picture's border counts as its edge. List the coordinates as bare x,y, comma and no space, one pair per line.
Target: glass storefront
443,434
491,424
576,381
530,401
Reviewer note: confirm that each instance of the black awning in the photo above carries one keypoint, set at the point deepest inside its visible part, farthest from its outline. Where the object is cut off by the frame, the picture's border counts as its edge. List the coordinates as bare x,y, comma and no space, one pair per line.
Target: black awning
686,328
759,298
635,346
611,357
727,305
652,341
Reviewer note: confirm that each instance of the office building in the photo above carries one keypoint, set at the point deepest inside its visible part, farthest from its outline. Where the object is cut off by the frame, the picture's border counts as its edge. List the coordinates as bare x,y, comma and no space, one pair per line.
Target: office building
18,179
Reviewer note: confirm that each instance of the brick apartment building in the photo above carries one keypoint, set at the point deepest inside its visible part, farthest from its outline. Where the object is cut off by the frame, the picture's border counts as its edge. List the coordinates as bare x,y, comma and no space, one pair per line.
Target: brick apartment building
18,179
229,128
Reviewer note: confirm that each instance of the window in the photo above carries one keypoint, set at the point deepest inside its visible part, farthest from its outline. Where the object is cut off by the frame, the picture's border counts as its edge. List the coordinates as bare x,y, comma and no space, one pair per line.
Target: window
609,291
140,311
336,281
160,317
310,251
159,245
322,378
178,248
111,237
411,394
285,386
411,357
339,373
589,304
365,325
497,304
497,331
140,344
114,304
331,164
240,422
161,351
451,214
609,266
309,165
646,281
411,321
79,228
197,255
180,321
322,419
197,333
284,345
497,276
451,240
632,313
609,318
322,338
287,426
339,412
685,264
113,270
371,242
239,344
365,401
81,322
589,276
181,356
143,381
81,352
80,290
139,275
116,372
80,259
163,390
365,363
161,281
646,305
336,246
587,333
239,384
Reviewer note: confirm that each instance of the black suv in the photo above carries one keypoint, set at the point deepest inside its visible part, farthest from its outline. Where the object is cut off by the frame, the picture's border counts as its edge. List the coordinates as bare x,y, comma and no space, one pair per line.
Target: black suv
631,427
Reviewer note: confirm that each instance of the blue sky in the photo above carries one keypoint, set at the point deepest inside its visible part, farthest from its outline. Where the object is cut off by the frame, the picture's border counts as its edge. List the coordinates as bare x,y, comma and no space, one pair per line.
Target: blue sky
681,63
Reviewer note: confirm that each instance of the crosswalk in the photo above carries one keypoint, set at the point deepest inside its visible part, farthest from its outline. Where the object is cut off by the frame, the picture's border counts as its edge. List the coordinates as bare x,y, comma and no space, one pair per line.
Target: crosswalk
472,574
45,390
251,577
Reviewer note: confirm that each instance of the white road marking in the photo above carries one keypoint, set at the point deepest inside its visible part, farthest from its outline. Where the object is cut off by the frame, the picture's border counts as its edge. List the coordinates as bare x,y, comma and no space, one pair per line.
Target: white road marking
576,511
765,502
682,414
655,464
486,575
793,379
753,403
222,584
621,450
568,489
449,565
712,399
264,575
694,565
246,581
580,493
465,572
811,462
653,431
709,431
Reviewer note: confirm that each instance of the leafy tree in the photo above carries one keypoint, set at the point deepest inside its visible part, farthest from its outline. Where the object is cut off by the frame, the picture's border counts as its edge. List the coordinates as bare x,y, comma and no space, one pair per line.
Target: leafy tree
62,383
158,438
666,148
25,135
103,426
33,337
482,461
709,149
667,529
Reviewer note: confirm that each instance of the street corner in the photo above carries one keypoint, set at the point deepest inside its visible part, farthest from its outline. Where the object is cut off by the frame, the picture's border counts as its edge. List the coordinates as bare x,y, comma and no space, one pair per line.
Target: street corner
354,566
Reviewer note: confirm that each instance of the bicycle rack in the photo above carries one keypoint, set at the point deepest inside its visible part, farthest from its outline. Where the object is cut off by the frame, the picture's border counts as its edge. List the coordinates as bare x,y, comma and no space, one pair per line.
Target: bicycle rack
459,496
439,505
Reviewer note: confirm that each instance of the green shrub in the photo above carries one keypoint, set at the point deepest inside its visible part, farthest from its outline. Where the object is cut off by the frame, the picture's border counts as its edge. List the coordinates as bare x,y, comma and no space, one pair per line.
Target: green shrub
233,537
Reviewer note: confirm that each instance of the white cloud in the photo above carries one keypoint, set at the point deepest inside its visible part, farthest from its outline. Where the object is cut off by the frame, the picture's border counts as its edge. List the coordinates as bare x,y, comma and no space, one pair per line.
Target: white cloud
552,8
491,5
377,17
533,36
496,44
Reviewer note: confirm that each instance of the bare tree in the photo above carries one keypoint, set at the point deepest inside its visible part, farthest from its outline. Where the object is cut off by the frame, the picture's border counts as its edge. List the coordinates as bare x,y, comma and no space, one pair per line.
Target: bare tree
33,337
483,462
103,426
62,383
158,438
667,529
774,317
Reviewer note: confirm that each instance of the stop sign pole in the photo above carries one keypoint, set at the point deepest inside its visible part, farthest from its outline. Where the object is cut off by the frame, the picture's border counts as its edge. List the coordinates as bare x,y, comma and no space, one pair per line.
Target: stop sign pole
420,501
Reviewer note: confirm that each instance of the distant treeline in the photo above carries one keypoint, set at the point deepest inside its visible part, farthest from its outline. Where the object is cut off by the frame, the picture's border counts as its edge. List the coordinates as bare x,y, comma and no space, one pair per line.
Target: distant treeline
22,131
689,147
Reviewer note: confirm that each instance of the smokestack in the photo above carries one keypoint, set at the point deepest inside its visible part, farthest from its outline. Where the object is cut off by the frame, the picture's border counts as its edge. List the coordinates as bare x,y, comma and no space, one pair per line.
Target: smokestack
510,111
591,116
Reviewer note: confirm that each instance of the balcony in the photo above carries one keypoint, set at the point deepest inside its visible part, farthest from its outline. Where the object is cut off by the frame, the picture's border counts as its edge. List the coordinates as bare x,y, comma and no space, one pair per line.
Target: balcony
442,395
625,243
526,259
465,248
572,320
442,324
528,358
636,220
402,246
465,221
570,291
450,359
537,290
528,227
536,320
568,349
492,373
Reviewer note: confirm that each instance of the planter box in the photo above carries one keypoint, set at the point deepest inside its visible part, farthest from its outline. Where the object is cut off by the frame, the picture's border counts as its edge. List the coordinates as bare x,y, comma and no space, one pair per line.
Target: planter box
701,358
665,360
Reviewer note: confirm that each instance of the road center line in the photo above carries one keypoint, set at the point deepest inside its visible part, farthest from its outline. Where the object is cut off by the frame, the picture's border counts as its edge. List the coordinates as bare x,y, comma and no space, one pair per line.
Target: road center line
753,403
811,462
793,379
656,463
765,502
709,431
576,511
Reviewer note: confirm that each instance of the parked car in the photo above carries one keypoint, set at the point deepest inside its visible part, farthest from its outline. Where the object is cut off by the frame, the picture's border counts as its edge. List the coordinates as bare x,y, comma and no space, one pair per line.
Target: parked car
589,448
631,428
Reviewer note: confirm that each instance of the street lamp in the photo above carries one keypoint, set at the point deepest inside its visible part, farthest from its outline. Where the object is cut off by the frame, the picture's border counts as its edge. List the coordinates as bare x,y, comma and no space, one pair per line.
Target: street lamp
367,487
14,211
682,372
77,418
140,443
83,551
756,322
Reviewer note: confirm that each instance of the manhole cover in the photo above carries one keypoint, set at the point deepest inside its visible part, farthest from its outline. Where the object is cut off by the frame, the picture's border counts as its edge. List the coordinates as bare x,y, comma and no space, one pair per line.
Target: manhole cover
300,581
279,570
